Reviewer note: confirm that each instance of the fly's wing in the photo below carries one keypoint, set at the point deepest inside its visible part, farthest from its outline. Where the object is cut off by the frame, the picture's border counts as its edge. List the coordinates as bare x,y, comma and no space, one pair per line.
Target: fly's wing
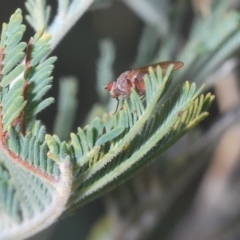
137,74
164,66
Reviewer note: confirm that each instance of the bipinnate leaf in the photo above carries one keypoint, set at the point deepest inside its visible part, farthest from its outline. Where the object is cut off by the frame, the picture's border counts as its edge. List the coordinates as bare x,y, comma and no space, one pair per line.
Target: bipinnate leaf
145,127
23,150
42,177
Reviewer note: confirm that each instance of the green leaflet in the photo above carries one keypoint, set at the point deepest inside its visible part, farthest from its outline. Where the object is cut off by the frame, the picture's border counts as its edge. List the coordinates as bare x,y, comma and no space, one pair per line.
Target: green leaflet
8,67
12,75
39,107
10,56
38,57
13,141
54,147
13,39
45,66
25,147
15,21
10,97
109,136
13,112
3,35
76,146
38,95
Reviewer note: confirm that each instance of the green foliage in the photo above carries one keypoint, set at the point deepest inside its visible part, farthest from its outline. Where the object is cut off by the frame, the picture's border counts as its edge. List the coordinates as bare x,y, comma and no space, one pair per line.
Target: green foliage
106,153
39,13
104,68
202,53
24,81
67,107
41,177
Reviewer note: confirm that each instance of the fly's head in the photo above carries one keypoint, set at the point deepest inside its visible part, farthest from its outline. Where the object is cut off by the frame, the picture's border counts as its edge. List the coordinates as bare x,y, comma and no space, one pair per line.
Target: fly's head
111,87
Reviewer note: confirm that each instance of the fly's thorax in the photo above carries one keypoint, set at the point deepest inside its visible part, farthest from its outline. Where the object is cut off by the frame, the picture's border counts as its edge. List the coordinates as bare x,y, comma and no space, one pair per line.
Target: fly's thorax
124,84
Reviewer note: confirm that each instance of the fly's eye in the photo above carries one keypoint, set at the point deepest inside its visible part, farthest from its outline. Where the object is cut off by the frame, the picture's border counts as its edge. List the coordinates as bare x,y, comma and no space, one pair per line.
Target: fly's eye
109,86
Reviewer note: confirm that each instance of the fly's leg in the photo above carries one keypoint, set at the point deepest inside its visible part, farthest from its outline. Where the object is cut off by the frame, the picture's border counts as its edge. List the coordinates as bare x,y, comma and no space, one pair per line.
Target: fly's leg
118,102
116,106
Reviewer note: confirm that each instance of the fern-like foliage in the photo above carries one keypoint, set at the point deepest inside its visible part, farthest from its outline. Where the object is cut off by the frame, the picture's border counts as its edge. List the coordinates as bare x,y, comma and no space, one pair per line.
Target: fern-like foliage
68,12
39,13
203,53
23,148
41,176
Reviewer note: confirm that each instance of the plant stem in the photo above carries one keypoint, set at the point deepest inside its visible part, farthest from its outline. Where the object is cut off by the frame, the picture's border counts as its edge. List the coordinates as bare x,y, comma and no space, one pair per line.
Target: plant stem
62,23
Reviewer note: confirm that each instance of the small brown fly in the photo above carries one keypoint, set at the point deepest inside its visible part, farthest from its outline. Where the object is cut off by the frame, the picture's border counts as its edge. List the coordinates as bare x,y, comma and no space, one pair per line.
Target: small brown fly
135,79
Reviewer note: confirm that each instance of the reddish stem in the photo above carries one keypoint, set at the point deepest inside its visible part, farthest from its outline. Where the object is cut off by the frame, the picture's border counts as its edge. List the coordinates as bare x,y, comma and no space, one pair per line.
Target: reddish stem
28,56
21,162
22,117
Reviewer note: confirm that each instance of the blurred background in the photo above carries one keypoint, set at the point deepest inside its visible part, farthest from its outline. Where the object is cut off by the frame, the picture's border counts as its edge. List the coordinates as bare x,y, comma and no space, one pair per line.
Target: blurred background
192,191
